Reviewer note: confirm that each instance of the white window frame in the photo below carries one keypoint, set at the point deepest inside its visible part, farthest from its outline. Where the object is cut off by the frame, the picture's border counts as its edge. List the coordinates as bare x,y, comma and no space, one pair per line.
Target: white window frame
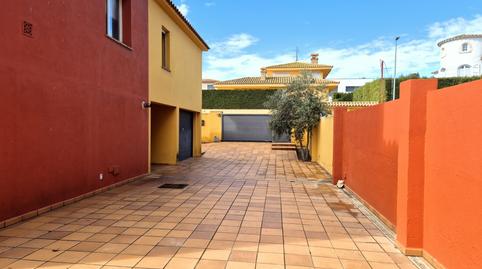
121,32
464,70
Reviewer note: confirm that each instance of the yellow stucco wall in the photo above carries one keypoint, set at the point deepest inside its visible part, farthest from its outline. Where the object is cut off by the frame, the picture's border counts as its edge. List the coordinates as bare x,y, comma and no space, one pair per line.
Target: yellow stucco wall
212,129
178,88
322,146
164,134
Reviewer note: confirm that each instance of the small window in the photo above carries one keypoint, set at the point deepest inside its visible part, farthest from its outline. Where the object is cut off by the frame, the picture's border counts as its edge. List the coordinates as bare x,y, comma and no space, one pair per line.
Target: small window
118,20
165,49
465,47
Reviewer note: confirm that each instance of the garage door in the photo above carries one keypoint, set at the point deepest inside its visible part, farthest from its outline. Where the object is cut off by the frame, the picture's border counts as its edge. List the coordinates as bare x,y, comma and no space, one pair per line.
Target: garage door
248,128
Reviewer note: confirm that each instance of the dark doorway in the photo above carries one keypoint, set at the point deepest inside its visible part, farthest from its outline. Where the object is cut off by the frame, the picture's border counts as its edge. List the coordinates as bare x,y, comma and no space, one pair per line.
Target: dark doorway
185,134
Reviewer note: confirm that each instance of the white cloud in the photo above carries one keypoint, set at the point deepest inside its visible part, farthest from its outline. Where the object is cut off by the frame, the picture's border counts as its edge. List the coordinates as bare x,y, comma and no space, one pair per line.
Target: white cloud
234,44
210,4
229,59
456,26
183,8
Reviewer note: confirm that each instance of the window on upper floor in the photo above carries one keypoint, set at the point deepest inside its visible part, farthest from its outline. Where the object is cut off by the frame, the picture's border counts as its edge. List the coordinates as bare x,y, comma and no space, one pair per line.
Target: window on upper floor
465,47
464,70
165,49
118,20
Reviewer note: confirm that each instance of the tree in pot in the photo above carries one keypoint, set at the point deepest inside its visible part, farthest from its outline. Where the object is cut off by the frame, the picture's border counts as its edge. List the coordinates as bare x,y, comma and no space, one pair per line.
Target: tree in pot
297,111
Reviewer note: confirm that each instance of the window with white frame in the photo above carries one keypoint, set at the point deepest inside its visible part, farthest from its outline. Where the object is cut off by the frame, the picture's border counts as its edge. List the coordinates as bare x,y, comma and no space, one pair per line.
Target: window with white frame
114,19
464,71
118,19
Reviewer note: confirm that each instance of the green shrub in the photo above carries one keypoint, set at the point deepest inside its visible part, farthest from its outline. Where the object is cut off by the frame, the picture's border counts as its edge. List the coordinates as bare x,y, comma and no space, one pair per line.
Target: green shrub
341,96
447,82
372,91
236,99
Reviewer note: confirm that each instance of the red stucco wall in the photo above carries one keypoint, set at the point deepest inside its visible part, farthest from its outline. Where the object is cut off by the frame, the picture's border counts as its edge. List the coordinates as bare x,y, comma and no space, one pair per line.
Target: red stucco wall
453,176
370,143
70,102
417,161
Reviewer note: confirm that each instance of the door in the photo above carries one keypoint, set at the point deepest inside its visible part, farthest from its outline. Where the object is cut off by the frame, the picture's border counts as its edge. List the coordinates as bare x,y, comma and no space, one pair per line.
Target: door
248,128
185,134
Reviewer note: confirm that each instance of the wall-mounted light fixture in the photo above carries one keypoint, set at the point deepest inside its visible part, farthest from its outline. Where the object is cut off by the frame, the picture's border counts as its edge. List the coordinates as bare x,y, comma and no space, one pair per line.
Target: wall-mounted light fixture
146,105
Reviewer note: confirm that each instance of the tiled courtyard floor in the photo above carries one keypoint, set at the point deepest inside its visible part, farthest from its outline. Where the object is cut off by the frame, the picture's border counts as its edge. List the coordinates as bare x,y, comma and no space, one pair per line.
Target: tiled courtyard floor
246,207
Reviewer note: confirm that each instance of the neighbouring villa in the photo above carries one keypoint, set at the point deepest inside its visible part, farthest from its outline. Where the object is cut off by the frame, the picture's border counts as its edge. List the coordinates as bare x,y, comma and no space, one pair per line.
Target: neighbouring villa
460,56
280,76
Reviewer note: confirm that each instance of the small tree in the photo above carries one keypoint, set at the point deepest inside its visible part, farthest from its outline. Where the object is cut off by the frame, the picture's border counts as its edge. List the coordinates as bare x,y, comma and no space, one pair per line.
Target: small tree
297,111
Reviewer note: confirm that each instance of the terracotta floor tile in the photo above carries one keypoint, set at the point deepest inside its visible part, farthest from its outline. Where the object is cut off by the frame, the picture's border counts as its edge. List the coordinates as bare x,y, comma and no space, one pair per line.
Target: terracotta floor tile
24,264
55,265
192,253
97,258
270,258
69,257
216,254
6,261
352,264
42,255
377,257
245,206
86,246
124,260
298,260
327,263
181,263
112,248
243,256
211,264
240,265
17,253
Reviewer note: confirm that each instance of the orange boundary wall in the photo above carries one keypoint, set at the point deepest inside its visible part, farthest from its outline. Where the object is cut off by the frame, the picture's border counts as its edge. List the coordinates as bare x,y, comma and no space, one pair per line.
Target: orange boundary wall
416,162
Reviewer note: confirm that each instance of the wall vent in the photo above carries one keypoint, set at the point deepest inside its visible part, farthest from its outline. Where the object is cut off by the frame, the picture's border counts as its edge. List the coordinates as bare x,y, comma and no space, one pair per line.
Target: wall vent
27,29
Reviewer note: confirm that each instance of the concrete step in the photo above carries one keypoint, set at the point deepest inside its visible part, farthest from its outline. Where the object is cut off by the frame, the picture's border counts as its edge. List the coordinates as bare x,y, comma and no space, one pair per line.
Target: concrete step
283,146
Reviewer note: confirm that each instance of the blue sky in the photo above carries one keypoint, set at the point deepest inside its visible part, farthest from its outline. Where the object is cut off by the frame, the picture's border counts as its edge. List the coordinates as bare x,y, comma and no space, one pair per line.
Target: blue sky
351,35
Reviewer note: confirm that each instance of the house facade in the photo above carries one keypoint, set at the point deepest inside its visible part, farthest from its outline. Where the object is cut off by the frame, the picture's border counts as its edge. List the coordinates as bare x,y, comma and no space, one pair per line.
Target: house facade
91,94
175,73
73,76
460,56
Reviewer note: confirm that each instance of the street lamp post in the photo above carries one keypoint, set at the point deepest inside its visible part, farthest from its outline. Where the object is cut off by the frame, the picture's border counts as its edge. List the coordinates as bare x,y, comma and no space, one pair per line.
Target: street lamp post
395,68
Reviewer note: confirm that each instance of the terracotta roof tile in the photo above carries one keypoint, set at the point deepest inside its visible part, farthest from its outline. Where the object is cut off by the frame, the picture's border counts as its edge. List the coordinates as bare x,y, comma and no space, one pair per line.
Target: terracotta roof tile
269,80
458,37
352,103
299,65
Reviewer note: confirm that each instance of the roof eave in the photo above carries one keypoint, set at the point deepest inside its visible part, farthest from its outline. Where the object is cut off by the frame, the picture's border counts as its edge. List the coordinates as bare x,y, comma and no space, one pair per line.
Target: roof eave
184,24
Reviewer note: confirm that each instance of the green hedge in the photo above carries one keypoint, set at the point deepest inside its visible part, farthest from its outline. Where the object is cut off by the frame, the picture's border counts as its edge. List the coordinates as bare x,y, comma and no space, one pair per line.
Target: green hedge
341,96
372,91
379,91
235,99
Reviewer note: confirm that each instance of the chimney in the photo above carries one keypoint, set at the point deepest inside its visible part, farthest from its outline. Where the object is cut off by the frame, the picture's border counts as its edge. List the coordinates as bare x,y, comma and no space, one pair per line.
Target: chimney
263,73
314,58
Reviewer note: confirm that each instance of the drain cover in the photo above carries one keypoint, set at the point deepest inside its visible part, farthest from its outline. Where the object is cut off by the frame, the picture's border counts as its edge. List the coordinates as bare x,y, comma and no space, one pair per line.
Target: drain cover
173,186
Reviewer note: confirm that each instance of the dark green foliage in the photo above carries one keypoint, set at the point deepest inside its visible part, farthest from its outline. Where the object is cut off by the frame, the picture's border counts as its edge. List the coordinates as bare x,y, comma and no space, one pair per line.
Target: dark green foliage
236,99
341,96
447,82
372,91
